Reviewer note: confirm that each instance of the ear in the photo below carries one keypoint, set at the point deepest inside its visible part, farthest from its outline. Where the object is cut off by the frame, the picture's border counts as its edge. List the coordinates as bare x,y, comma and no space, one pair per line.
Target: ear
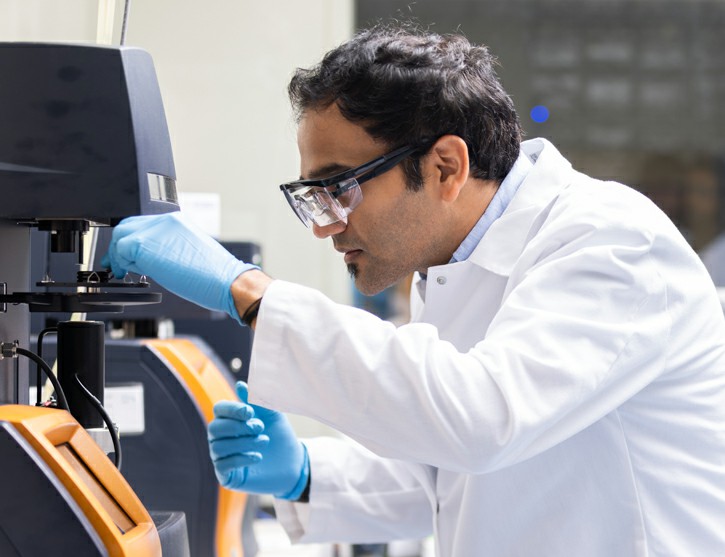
448,162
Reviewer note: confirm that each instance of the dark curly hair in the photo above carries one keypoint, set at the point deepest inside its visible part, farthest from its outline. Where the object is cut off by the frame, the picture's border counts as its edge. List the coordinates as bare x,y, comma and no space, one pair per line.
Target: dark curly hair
407,86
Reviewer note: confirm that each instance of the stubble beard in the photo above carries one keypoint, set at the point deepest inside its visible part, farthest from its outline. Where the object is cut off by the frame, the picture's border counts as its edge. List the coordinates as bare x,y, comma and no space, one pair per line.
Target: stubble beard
368,287
354,270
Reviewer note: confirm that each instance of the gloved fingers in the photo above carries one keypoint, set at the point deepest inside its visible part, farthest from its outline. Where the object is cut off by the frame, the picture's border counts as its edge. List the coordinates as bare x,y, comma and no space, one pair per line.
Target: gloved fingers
233,410
127,239
106,262
232,479
126,252
235,462
178,256
110,261
124,229
246,448
226,428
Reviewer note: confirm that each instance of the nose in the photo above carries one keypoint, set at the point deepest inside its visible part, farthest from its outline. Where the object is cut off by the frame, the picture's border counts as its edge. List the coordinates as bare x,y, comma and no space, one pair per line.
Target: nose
328,230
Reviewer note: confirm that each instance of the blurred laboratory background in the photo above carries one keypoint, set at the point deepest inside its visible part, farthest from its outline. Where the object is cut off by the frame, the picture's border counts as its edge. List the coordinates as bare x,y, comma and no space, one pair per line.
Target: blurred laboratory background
628,90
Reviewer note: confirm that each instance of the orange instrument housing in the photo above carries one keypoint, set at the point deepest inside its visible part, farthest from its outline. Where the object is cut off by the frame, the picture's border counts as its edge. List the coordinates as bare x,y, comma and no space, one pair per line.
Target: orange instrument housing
99,489
207,386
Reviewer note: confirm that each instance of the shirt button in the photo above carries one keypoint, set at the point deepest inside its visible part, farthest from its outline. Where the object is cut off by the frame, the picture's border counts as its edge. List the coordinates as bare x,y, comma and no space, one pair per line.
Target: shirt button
441,280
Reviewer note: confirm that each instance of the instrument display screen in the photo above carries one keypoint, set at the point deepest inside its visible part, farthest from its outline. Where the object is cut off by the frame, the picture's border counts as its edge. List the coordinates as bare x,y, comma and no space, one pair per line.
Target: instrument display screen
114,510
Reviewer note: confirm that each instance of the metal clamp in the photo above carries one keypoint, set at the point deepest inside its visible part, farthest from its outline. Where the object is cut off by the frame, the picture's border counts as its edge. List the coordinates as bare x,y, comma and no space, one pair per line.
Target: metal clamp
8,350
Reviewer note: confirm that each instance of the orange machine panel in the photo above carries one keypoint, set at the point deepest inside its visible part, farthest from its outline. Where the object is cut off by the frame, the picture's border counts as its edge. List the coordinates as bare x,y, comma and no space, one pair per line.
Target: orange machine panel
208,386
109,503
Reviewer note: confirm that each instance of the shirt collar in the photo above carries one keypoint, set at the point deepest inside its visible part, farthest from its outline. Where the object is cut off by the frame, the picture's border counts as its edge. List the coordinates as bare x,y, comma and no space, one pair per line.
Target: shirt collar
496,207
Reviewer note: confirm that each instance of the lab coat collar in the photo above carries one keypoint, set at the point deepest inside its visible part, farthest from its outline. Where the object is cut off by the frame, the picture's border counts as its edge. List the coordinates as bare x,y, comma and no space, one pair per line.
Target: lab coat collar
503,243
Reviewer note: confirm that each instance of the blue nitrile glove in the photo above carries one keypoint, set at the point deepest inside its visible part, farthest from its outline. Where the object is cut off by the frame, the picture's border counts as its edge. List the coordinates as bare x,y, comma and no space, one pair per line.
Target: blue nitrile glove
178,256
274,462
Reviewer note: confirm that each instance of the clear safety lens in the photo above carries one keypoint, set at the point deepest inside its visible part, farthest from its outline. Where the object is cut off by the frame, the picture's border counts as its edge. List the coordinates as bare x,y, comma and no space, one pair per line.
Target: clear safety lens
351,195
318,205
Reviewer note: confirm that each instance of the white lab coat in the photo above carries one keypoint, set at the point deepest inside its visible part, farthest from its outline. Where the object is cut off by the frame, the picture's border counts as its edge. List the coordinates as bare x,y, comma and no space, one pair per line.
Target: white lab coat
559,393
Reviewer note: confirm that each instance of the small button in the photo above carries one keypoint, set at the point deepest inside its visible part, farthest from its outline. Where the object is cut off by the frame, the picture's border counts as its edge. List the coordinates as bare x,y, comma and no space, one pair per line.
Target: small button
236,364
441,280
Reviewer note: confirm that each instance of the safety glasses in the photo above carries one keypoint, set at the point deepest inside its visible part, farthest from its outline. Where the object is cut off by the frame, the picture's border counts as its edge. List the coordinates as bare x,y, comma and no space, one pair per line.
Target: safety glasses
330,200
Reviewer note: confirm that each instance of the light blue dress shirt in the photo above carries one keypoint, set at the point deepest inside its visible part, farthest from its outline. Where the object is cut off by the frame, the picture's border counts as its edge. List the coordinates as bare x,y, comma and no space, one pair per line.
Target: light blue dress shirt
495,209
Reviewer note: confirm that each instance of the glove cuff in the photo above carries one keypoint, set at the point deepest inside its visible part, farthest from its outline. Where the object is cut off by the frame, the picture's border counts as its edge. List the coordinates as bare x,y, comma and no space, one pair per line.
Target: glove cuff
301,484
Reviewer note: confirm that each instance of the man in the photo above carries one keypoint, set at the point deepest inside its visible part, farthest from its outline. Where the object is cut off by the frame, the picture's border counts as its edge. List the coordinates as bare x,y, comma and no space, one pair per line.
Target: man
560,389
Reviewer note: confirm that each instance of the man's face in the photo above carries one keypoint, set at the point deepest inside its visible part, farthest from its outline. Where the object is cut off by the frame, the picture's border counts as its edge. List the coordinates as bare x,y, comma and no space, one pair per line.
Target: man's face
393,231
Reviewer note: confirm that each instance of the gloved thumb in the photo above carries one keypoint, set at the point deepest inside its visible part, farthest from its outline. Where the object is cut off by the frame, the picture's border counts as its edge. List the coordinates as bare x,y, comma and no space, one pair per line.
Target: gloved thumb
259,411
242,391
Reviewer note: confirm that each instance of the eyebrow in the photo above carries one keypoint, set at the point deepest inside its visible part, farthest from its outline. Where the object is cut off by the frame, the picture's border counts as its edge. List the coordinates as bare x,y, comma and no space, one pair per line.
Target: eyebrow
327,171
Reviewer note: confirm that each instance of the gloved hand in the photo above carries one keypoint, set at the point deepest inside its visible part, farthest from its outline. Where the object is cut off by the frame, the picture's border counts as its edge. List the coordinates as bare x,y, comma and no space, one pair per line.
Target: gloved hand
179,257
274,462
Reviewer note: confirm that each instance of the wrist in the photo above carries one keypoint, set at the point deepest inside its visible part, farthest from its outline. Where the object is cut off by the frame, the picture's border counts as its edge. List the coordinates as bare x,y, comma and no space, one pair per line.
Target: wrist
247,289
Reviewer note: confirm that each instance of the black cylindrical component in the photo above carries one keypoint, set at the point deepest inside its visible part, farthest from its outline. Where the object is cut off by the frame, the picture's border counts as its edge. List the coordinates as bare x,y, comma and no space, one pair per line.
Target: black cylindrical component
81,351
65,235
64,241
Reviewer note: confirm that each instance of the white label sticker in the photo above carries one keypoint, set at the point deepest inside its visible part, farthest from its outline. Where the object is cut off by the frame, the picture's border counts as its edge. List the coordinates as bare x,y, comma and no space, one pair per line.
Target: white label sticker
124,403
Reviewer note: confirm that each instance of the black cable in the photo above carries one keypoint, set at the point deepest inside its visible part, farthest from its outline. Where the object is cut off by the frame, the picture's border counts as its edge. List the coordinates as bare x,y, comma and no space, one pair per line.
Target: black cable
42,334
49,372
106,418
63,403
16,370
125,22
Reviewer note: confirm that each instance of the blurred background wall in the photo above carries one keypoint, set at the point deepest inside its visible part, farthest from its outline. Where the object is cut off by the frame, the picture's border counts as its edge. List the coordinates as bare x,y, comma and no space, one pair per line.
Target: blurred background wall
629,90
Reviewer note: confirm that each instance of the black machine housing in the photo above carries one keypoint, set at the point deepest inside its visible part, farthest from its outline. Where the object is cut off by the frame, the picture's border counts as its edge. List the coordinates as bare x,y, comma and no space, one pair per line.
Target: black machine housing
83,134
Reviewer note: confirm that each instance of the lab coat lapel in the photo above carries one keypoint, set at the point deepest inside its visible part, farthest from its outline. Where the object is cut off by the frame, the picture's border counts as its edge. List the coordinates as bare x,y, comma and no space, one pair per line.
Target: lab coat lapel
503,243
461,300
